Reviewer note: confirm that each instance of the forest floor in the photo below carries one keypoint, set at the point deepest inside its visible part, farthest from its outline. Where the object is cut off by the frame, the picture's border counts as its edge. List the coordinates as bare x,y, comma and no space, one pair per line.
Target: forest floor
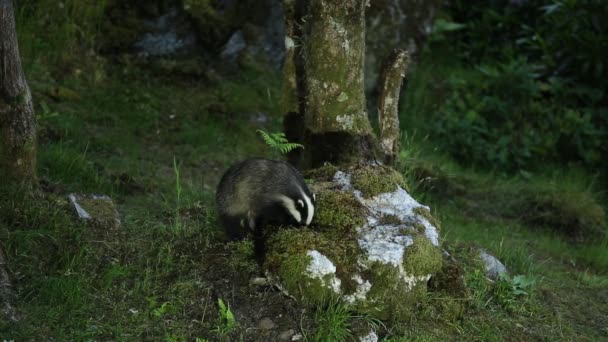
158,145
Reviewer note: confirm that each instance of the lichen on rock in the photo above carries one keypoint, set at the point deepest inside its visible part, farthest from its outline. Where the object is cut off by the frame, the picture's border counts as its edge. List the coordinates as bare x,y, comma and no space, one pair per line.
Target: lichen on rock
375,249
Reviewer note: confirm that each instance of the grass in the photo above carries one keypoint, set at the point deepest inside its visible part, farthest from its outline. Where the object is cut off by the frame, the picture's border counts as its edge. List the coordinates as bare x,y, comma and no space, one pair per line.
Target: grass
158,145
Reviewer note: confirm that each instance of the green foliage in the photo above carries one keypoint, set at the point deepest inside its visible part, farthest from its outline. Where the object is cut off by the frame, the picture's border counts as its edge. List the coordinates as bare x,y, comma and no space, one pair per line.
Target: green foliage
226,322
332,323
508,289
46,113
278,142
159,311
58,28
504,116
536,93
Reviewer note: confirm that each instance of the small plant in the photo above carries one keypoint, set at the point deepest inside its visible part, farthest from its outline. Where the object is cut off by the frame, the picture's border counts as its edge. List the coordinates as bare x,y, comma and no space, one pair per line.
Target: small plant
479,285
226,322
46,113
278,142
162,310
508,289
334,322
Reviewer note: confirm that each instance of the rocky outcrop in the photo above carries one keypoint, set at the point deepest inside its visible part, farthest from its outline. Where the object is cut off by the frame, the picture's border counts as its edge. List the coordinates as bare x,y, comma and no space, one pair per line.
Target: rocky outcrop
371,244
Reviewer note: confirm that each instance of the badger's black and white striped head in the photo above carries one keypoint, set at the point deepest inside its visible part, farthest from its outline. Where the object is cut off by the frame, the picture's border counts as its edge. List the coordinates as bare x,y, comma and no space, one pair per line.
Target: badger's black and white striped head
300,208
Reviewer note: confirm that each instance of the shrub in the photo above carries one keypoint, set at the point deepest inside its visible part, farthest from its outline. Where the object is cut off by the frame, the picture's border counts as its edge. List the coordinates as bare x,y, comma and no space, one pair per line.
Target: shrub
536,92
503,115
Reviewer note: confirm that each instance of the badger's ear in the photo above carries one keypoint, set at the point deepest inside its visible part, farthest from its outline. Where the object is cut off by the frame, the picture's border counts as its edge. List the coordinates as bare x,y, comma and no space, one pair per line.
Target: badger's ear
314,197
301,203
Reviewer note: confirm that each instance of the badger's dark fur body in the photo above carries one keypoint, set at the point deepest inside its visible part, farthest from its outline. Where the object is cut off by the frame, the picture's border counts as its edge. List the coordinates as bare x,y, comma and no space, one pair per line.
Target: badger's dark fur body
258,191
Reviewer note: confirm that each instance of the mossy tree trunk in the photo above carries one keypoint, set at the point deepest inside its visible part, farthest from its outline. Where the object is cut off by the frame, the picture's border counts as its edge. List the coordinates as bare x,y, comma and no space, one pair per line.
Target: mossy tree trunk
389,85
17,119
331,89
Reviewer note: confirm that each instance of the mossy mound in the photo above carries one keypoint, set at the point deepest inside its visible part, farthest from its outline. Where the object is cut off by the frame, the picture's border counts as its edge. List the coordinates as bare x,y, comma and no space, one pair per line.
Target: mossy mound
291,258
376,252
375,180
338,210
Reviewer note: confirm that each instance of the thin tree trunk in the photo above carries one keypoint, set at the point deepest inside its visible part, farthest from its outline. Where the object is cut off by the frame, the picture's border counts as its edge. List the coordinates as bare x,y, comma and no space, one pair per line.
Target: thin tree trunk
392,73
17,119
293,99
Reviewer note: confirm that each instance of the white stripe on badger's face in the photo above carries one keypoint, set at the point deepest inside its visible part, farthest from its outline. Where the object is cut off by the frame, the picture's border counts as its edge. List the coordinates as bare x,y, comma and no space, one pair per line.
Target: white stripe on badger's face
311,208
289,204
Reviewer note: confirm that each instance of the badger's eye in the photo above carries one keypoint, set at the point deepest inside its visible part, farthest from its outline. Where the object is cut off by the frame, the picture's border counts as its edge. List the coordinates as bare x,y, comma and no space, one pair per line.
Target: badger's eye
301,203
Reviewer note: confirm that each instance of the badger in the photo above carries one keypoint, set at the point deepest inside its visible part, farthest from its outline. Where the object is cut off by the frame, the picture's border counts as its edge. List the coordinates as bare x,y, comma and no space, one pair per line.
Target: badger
257,191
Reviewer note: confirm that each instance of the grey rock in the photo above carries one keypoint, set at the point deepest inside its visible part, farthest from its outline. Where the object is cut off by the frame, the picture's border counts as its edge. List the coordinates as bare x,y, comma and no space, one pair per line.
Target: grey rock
234,46
95,208
266,324
493,267
259,281
167,35
286,335
371,337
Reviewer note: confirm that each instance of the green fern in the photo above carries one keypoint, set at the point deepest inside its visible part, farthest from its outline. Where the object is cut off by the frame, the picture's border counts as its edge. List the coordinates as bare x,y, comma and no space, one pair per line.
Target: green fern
278,142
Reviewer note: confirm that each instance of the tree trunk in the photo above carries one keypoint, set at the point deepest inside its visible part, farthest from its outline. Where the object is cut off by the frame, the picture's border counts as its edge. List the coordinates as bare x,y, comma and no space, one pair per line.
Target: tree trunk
17,119
392,73
7,293
335,119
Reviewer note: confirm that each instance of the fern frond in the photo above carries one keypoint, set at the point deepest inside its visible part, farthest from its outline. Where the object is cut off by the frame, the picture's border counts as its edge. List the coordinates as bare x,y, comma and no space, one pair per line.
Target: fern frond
288,147
279,142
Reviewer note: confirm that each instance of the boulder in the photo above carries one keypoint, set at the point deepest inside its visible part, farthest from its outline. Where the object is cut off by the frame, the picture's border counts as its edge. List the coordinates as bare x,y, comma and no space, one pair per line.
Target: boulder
493,267
97,209
370,243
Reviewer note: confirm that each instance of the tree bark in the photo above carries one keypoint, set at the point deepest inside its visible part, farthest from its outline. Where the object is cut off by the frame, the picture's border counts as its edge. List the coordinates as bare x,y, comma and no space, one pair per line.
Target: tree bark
7,293
392,73
330,86
17,119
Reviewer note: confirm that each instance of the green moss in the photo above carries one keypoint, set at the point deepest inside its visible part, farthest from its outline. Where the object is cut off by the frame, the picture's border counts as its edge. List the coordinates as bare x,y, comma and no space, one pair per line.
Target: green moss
424,212
422,258
338,210
390,220
323,173
375,180
99,208
287,257
419,227
390,298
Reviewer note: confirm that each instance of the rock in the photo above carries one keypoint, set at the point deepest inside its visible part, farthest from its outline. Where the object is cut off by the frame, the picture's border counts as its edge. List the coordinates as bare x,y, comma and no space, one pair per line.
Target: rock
235,45
371,337
266,324
297,337
165,37
493,267
370,243
98,209
258,281
286,335
395,24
